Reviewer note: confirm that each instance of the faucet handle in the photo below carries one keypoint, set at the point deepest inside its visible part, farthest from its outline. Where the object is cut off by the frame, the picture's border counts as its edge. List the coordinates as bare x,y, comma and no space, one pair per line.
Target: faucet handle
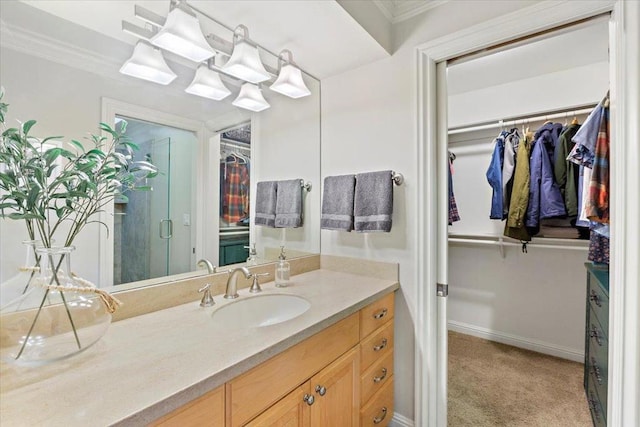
255,286
207,299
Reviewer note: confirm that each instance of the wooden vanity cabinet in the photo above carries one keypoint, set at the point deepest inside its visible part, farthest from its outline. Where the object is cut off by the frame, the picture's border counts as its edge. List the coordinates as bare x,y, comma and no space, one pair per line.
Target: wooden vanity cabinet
341,376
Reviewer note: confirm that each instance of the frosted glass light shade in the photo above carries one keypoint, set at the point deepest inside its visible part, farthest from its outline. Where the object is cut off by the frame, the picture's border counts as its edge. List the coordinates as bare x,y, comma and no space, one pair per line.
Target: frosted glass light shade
148,63
207,83
290,83
250,98
245,63
181,34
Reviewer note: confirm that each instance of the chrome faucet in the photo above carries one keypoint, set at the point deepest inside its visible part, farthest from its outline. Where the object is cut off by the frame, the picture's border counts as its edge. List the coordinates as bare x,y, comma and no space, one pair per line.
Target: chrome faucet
210,267
232,282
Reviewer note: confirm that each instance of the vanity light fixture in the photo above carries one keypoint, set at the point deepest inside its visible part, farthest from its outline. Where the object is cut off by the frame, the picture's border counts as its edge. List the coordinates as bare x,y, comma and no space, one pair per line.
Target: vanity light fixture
245,63
250,98
147,63
182,35
207,83
289,81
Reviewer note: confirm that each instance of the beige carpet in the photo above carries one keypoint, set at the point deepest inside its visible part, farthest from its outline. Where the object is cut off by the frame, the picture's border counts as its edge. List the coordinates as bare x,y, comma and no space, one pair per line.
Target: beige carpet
493,384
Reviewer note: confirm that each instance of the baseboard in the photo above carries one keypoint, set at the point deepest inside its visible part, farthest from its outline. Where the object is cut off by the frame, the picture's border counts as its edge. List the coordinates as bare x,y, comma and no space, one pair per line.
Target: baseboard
517,341
400,421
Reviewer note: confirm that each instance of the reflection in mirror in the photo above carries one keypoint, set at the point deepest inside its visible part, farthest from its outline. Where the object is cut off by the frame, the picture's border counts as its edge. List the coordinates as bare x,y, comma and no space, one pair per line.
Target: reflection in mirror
60,67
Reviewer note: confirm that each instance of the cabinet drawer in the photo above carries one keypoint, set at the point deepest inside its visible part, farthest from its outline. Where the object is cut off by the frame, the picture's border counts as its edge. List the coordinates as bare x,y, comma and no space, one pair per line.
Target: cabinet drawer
375,377
254,391
599,301
376,346
598,375
376,314
598,415
207,410
379,411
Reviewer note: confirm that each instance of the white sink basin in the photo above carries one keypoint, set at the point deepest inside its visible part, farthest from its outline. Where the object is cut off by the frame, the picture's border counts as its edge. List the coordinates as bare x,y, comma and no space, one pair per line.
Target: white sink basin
260,310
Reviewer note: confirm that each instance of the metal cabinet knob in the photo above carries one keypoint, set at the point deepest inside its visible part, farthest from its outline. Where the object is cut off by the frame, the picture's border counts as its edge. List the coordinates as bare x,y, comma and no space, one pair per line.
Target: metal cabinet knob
382,345
321,390
595,298
378,420
596,370
594,334
309,399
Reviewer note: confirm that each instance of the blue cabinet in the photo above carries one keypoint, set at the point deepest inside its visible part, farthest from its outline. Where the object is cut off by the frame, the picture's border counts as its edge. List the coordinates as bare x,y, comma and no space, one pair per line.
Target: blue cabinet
596,351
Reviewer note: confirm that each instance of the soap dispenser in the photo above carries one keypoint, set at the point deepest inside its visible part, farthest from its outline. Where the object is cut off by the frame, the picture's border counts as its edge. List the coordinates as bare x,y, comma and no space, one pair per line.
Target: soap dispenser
283,269
253,255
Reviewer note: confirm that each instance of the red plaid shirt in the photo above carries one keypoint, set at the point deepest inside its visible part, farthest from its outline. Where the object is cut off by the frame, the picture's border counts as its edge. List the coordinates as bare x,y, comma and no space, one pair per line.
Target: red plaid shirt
235,198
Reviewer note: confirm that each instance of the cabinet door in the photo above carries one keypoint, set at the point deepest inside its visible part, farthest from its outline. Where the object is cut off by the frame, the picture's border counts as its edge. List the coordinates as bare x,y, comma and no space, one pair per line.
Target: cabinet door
336,392
207,410
293,410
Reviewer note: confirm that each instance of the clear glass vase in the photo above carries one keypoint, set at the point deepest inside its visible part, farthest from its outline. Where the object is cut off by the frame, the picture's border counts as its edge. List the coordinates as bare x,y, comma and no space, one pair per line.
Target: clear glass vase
18,284
60,314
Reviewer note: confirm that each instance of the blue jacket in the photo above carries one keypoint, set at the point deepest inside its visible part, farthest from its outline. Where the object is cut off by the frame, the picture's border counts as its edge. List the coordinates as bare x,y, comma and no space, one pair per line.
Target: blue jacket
545,198
494,176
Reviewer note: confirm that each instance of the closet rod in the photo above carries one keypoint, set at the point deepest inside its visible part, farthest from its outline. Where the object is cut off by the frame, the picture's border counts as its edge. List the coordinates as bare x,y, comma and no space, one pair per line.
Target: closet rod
500,242
522,120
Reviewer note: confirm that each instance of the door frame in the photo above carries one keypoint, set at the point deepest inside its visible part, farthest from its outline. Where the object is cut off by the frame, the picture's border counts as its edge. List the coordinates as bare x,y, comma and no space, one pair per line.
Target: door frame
624,352
110,109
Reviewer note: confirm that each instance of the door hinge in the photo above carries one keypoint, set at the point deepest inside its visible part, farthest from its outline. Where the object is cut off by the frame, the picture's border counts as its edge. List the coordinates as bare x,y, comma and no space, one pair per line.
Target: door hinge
442,290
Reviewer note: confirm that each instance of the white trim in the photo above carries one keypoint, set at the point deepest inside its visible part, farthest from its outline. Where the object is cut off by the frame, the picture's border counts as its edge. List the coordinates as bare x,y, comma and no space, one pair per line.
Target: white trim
396,11
400,421
517,341
111,108
624,349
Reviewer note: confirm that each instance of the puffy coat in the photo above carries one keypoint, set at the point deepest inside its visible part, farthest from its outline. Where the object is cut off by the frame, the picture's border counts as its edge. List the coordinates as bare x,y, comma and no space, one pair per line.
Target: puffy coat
545,198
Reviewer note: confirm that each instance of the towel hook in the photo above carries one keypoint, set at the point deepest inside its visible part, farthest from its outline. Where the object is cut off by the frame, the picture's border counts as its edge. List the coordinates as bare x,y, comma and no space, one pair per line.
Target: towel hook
397,178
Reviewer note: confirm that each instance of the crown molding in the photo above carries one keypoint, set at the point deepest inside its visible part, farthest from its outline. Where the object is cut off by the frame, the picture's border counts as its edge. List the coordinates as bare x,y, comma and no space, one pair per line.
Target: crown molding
398,10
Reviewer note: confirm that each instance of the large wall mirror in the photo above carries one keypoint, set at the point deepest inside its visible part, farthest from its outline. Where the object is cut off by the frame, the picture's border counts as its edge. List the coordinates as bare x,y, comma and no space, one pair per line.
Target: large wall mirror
60,66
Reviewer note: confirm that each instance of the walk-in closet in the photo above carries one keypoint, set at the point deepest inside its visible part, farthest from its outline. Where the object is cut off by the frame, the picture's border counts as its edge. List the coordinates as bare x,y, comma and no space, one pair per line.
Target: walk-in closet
518,297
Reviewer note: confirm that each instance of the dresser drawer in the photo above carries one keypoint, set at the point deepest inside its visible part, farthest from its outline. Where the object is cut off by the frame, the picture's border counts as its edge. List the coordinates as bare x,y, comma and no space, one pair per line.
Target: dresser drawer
598,374
375,377
376,346
379,411
595,407
376,314
599,301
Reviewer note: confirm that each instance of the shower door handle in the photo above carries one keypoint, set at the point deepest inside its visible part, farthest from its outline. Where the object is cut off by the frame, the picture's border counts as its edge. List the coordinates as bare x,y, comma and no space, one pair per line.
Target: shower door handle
169,229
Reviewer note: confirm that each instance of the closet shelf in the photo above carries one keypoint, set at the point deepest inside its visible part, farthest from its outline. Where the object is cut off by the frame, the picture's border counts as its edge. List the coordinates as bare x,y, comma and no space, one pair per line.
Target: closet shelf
502,242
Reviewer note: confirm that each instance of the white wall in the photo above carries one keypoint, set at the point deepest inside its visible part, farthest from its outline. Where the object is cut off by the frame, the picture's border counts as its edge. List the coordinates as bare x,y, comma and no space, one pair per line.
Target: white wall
369,123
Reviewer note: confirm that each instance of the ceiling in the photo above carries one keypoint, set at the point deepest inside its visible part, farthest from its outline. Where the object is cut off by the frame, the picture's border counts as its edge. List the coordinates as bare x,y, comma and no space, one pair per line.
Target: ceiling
400,10
323,37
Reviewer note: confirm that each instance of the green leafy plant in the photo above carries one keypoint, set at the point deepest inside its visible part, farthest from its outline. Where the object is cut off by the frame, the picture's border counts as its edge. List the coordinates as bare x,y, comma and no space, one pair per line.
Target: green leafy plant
48,186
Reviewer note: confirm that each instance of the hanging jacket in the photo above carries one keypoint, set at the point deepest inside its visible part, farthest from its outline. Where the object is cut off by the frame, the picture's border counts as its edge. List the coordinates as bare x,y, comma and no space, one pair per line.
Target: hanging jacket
511,143
494,176
567,172
515,224
545,199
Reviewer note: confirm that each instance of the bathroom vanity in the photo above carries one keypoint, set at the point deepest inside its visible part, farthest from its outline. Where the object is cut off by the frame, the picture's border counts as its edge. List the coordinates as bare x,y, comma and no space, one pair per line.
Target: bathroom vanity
331,365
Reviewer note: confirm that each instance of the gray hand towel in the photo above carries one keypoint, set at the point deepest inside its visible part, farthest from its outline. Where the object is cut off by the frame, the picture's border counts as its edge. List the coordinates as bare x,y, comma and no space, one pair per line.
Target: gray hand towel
337,203
266,203
289,204
373,205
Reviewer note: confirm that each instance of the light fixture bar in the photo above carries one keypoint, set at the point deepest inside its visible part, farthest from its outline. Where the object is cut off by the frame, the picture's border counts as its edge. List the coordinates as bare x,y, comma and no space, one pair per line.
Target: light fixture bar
148,16
134,30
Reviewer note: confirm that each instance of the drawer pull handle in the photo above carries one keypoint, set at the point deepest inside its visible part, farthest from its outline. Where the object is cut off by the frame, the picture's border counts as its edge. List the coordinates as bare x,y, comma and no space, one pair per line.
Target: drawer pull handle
595,298
378,420
382,345
596,370
381,314
381,377
309,399
593,405
594,334
321,390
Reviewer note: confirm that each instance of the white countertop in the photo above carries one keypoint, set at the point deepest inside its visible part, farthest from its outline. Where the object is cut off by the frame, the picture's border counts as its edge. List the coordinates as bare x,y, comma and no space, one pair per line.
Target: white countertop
148,365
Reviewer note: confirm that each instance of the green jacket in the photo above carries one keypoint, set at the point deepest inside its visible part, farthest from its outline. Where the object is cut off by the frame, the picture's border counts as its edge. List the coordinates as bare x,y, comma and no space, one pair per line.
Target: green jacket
515,225
566,173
